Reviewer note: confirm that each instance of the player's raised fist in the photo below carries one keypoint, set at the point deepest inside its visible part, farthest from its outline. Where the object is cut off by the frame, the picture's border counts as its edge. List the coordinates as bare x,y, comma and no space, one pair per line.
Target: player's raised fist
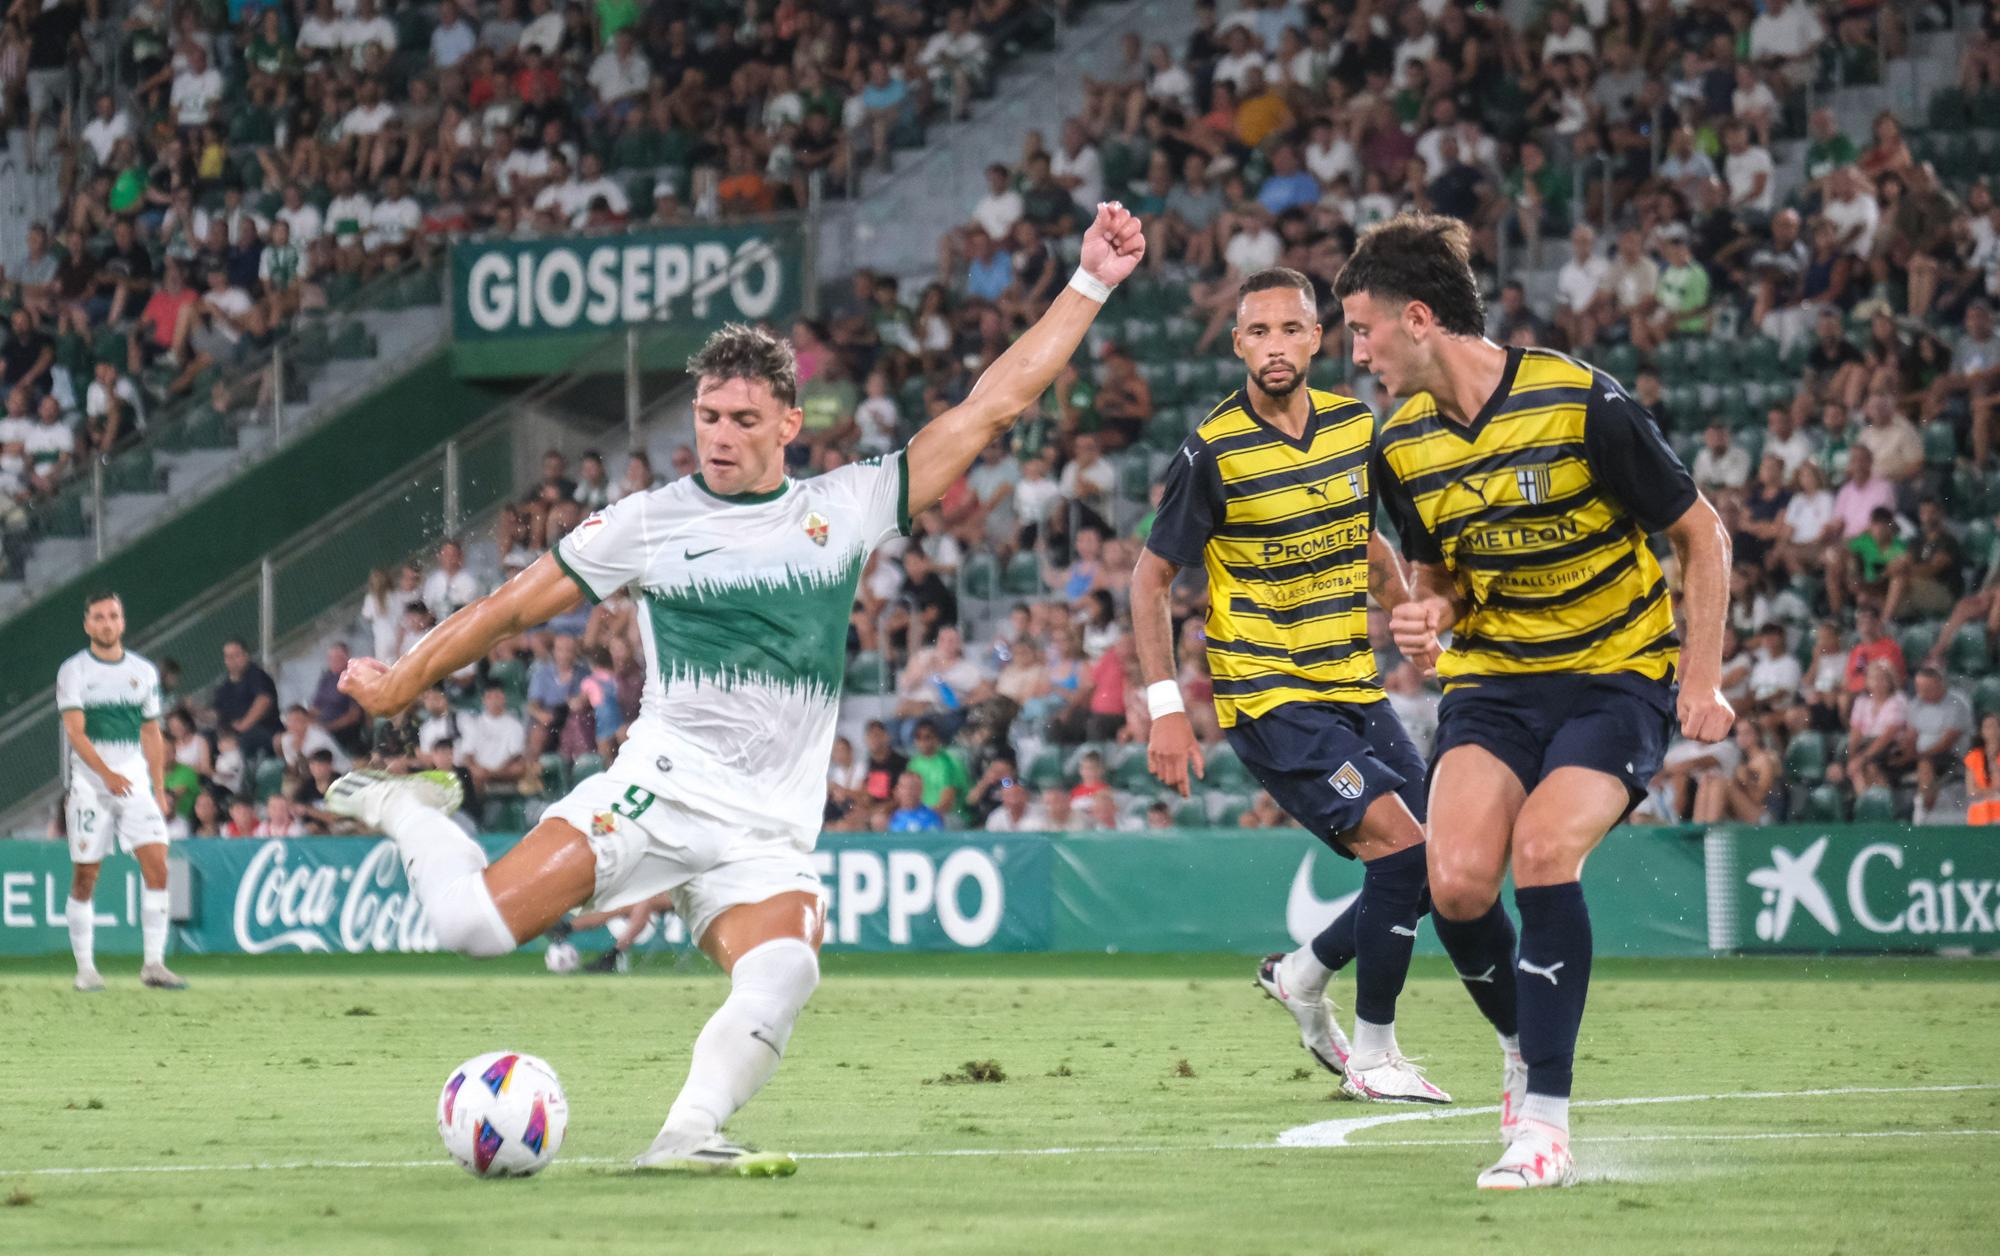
1114,245
1705,714
365,681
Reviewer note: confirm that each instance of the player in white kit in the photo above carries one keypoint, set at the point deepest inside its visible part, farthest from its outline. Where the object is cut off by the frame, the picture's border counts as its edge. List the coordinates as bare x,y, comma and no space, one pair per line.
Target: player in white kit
114,766
745,579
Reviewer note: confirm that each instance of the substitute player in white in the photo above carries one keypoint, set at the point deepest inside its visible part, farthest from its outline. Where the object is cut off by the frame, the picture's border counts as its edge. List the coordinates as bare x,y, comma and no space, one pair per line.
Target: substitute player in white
745,578
114,768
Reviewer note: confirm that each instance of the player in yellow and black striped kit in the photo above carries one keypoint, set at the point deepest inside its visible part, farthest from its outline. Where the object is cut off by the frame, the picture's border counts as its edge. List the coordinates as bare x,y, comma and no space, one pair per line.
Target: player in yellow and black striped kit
1271,495
1523,485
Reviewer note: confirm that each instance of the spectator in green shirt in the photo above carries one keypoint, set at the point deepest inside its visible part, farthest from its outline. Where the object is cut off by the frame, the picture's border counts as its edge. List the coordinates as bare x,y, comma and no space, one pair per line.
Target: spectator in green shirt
1829,148
828,401
1680,300
1878,563
945,781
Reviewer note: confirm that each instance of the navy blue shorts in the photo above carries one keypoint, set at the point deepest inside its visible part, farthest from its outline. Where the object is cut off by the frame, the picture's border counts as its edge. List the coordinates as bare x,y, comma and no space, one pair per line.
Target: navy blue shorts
1618,724
1325,762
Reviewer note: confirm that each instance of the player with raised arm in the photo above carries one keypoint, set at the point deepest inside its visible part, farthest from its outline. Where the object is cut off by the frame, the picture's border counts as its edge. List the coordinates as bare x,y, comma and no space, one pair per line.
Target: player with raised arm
745,579
1523,485
1270,495
114,773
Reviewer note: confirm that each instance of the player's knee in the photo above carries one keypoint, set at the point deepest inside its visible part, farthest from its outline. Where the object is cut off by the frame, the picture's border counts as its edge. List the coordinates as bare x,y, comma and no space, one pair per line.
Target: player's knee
82,881
785,970
1462,893
1548,857
467,921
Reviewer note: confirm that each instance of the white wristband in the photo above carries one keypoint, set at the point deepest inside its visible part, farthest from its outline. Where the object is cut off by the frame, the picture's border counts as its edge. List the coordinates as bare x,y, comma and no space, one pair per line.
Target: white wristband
1090,285
1163,697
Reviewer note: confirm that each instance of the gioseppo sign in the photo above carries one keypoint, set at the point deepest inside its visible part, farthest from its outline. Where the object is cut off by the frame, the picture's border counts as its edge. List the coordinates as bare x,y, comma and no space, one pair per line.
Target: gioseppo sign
347,894
1864,890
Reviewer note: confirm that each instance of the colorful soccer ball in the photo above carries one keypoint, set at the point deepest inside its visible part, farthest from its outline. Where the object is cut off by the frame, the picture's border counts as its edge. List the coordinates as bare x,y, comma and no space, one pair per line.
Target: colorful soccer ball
503,1114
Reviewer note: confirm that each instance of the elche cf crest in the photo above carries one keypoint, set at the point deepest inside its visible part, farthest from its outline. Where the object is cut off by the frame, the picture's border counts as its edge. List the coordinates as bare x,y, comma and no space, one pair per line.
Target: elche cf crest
1533,483
817,527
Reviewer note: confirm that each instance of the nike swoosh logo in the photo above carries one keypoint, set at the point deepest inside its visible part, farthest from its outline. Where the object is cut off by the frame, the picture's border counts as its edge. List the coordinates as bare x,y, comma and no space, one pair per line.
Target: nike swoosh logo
1306,913
758,1034
688,555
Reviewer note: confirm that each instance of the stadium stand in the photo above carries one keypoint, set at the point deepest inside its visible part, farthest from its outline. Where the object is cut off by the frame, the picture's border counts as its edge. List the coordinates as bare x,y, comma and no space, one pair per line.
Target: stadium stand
1713,203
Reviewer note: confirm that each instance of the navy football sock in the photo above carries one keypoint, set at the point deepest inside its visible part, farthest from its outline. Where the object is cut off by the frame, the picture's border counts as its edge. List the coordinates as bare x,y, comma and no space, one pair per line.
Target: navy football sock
1385,931
1334,946
1482,950
1552,977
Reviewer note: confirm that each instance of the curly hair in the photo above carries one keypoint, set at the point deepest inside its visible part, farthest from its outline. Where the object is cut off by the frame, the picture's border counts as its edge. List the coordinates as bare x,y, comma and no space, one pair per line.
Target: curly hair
1418,257
740,351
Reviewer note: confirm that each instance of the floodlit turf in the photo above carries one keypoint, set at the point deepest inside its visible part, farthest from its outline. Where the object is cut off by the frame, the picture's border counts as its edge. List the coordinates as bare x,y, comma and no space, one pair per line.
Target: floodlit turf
1165,1074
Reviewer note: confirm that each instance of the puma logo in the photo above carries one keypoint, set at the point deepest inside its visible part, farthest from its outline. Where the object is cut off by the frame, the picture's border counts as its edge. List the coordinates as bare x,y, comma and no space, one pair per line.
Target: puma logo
1188,454
1400,931
1486,976
1316,490
1539,971
1478,492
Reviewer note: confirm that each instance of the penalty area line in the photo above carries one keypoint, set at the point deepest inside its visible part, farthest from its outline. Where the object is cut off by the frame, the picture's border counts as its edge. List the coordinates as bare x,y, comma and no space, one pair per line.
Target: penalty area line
1321,1136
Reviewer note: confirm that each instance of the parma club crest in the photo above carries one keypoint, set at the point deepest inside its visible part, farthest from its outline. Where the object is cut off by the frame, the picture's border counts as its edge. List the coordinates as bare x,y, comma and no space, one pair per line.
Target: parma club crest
817,527
1347,781
1533,483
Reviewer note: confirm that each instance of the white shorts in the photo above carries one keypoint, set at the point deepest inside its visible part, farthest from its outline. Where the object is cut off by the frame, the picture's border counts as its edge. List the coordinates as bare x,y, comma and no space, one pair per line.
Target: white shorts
648,845
94,817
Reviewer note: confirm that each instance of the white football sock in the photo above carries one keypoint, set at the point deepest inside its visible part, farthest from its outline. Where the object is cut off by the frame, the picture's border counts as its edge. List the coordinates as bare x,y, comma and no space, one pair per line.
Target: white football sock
153,924
447,874
1372,1042
1548,1109
1510,1045
1302,974
739,1049
82,933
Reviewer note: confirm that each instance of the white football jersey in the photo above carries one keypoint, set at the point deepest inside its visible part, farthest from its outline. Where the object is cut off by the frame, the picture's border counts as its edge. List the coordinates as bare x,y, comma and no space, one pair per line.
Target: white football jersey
116,699
743,608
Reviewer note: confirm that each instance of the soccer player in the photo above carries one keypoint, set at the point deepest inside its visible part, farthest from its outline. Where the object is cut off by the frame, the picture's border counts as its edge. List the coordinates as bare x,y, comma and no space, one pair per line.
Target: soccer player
1523,485
1271,496
114,773
746,578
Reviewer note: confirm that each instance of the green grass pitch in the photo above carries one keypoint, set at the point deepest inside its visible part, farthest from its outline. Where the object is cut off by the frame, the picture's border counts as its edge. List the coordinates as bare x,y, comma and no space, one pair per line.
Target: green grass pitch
1168,1078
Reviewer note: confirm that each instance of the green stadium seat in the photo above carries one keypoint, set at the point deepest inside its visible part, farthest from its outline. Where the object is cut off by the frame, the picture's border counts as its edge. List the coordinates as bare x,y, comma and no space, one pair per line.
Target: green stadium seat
1986,696
1917,639
1129,771
512,677
1940,444
1024,575
504,815
555,775
1135,477
1225,772
1224,810
980,576
585,767
1978,543
1949,110
1190,813
868,672
1805,758
1876,805
1967,654
270,777
1044,770
1820,804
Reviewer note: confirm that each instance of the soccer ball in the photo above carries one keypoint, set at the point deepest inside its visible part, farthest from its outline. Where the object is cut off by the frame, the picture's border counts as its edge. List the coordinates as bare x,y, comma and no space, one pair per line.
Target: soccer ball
503,1114
561,957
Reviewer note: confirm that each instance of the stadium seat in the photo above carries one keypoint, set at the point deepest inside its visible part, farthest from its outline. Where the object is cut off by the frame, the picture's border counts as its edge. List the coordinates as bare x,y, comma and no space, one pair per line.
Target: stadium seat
1978,543
1044,770
585,767
1024,575
1129,771
1805,757
270,778
512,677
1967,655
980,576
868,673
1190,813
1820,804
1986,696
1225,809
1940,444
1875,805
555,774
1917,639
1225,772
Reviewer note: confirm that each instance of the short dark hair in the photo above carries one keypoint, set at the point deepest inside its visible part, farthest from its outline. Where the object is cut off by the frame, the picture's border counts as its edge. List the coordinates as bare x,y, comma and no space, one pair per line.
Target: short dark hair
1418,257
1275,277
740,351
239,643
1882,514
102,595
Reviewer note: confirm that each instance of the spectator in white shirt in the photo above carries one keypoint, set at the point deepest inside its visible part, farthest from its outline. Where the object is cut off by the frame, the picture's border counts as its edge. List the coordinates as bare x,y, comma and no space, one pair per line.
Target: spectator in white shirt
1241,56
999,209
1566,38
452,39
955,59
303,738
620,75
1167,82
195,92
1748,170
1788,32
393,221
348,212
1077,167
370,113
1722,465
1852,208
492,742
300,215
1753,103
1578,283
103,131
322,33
546,30
366,29
1088,478
451,585
1776,674
111,407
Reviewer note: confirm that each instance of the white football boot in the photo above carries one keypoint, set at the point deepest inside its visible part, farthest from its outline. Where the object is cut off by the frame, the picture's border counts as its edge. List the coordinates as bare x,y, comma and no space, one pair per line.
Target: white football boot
714,1156
1537,1156
1391,1079
1319,1027
360,795
159,977
1513,1094
88,982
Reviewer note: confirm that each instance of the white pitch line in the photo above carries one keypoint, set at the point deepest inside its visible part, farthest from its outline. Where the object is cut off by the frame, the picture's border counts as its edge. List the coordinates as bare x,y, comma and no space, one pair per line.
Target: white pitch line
1324,1135
1335,1133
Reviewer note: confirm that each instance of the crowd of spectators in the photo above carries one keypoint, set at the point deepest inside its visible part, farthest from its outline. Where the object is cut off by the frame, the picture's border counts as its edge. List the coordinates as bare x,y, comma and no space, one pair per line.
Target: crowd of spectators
226,169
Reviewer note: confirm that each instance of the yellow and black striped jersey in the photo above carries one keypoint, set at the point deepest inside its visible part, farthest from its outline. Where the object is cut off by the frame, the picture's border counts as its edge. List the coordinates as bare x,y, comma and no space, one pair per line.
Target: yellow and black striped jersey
1281,526
1540,508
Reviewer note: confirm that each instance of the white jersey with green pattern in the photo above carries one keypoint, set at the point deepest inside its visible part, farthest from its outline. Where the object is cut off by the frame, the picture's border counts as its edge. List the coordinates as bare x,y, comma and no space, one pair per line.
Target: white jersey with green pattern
743,607
115,698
